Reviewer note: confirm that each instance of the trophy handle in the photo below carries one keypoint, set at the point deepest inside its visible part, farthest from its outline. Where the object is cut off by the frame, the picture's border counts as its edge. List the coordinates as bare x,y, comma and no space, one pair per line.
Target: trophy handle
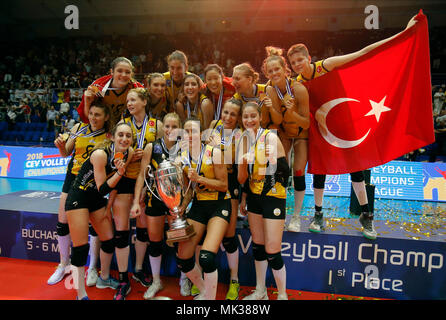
149,173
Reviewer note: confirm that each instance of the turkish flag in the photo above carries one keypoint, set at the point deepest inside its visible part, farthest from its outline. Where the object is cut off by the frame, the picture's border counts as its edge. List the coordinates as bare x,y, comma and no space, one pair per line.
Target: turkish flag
375,108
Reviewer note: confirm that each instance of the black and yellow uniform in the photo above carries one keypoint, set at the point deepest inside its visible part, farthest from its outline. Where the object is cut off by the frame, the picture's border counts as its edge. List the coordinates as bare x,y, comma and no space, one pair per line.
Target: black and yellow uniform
84,192
127,183
172,89
228,147
259,95
207,203
117,102
289,129
85,141
159,109
318,71
266,195
195,111
155,207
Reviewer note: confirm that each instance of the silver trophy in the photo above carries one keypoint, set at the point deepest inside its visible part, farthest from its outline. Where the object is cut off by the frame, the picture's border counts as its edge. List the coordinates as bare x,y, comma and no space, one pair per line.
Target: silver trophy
169,184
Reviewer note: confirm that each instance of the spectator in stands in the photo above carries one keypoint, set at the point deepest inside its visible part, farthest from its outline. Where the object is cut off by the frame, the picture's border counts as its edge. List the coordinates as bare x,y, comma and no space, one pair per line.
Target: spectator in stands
26,111
438,101
50,117
64,107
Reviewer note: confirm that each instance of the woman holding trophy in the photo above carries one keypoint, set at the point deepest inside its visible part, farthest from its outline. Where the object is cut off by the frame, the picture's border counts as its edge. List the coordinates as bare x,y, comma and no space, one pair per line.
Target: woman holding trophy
207,179
86,201
144,130
155,210
263,167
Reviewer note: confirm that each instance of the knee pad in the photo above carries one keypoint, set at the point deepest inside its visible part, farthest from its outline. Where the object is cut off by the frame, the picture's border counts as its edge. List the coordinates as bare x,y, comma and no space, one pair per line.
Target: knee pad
357,176
155,248
122,239
319,181
275,260
142,235
108,246
185,265
299,183
230,244
92,231
79,255
62,229
207,261
258,251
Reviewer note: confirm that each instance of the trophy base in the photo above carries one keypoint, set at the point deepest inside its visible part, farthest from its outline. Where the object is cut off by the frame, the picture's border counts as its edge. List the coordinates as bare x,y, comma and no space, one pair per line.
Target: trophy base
178,235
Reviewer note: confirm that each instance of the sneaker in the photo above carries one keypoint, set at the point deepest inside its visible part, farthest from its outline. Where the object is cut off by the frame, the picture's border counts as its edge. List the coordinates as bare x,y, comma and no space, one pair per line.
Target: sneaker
122,291
154,288
282,297
141,277
257,295
109,283
234,288
84,298
294,225
368,229
92,277
200,297
317,224
194,291
59,274
185,287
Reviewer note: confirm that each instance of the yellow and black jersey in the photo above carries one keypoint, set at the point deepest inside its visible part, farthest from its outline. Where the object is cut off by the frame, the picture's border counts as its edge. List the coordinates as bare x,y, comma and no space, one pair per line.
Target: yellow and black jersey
159,109
85,178
172,89
117,102
259,95
262,182
195,110
228,143
85,141
318,71
140,141
289,128
206,170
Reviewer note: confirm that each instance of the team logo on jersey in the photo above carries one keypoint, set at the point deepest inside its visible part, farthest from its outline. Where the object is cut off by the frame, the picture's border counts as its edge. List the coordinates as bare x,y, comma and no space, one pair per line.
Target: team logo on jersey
157,149
319,69
151,123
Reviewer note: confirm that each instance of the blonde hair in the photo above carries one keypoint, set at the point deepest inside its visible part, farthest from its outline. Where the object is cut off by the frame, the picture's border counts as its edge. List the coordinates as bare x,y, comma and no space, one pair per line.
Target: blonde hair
173,115
275,54
248,71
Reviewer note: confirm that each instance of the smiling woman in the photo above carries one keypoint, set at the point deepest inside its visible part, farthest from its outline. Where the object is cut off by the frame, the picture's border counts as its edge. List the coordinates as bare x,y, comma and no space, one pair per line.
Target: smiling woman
112,89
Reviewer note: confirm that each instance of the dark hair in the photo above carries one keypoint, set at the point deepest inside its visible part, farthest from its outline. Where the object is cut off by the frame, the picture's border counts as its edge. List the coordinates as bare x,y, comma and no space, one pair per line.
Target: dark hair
213,66
235,101
117,60
193,119
100,104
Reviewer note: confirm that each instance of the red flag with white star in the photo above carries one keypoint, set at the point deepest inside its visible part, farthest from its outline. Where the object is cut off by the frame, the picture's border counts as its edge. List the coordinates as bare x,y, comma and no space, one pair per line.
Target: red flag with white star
375,108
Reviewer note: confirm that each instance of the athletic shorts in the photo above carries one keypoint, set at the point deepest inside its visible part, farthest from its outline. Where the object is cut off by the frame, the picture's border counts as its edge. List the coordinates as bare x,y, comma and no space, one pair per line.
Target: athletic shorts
203,211
268,207
157,208
68,182
81,199
126,186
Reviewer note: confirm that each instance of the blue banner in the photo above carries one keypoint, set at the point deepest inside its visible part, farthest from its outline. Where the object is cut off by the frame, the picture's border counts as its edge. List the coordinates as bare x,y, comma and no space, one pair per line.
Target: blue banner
401,180
32,163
